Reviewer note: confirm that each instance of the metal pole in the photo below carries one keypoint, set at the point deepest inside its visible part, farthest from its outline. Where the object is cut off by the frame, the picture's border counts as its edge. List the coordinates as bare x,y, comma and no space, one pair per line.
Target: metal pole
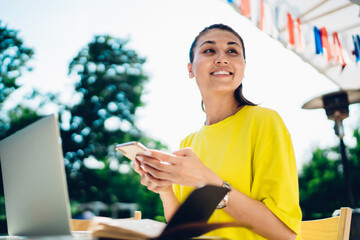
340,132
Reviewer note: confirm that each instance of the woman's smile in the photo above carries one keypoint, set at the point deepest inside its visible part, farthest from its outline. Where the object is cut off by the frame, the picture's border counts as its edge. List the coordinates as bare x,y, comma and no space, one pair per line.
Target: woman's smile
221,73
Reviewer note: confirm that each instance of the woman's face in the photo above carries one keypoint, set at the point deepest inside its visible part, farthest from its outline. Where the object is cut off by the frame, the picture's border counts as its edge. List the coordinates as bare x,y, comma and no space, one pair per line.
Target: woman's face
218,64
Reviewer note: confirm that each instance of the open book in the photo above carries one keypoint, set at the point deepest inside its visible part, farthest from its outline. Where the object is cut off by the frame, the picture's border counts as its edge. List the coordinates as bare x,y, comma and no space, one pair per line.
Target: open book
189,221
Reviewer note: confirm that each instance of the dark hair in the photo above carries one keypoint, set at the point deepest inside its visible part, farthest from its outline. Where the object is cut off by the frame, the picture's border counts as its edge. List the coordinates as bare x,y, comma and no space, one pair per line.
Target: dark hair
215,26
239,97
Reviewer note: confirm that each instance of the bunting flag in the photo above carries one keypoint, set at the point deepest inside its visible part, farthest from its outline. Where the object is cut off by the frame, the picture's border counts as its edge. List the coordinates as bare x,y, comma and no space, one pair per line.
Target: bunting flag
338,50
356,47
300,43
268,20
261,18
325,42
290,25
318,45
277,17
358,44
268,16
276,25
245,8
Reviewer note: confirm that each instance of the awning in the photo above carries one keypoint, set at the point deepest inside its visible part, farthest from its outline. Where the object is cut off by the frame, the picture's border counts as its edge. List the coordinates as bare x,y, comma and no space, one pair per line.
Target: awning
323,33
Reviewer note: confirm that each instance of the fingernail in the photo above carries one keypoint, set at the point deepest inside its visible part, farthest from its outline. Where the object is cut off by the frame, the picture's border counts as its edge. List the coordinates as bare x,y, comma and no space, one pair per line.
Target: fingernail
140,158
147,153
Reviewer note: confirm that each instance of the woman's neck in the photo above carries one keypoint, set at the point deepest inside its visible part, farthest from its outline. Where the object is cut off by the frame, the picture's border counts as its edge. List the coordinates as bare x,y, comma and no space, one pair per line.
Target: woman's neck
220,109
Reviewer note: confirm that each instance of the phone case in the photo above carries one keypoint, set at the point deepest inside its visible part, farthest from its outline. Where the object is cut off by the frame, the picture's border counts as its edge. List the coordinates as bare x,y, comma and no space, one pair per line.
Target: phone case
130,149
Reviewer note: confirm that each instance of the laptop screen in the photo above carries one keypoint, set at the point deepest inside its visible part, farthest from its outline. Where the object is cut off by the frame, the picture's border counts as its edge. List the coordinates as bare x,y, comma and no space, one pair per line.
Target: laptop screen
36,195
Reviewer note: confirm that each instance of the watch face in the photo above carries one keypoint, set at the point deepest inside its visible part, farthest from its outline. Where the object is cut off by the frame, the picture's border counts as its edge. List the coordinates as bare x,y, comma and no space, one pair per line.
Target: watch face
226,199
220,205
223,202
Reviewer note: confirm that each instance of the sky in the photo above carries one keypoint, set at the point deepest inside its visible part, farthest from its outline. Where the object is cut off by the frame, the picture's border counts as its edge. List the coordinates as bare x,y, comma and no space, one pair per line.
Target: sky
162,31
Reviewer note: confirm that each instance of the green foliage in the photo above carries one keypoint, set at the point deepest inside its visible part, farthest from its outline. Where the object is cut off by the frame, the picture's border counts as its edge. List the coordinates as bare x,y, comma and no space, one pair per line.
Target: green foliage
13,60
14,57
21,116
110,81
321,181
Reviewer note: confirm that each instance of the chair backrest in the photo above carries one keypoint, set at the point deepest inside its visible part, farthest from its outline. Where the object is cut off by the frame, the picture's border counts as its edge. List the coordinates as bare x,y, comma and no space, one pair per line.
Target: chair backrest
83,225
334,228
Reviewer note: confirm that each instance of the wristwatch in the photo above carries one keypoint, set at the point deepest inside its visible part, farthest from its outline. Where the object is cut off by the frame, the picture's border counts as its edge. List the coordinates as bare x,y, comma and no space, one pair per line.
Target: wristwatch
225,200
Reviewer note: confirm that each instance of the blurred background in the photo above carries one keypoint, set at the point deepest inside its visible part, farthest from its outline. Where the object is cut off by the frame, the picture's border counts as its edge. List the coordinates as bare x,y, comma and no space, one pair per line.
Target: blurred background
116,71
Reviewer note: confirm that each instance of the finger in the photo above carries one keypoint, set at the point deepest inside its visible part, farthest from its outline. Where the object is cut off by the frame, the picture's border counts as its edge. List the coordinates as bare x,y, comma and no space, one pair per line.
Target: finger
155,171
154,180
184,152
144,180
152,183
160,155
138,167
154,164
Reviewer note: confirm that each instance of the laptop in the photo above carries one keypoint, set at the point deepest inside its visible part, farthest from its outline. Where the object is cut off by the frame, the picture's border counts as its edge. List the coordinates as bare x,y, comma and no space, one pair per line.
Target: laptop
35,188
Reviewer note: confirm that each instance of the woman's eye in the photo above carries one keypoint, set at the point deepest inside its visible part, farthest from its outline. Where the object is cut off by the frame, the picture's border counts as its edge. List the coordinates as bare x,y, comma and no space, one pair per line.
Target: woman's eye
233,51
209,51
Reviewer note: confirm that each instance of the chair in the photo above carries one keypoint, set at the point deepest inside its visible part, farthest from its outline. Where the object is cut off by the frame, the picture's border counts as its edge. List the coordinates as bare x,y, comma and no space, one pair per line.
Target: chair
334,228
83,225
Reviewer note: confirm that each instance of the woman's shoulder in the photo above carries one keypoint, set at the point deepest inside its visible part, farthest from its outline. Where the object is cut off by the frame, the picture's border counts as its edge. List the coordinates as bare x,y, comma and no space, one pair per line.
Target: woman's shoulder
262,116
258,111
187,140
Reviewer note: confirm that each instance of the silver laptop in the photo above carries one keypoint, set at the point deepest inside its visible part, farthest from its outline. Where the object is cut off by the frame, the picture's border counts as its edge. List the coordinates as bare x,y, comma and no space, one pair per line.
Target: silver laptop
36,195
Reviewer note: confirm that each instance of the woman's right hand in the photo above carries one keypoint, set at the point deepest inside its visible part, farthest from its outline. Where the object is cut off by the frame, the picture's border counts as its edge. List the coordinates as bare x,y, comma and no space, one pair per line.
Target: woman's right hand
153,184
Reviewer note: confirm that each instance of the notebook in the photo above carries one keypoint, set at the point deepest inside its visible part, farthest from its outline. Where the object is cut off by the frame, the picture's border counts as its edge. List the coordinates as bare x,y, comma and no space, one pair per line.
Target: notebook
35,188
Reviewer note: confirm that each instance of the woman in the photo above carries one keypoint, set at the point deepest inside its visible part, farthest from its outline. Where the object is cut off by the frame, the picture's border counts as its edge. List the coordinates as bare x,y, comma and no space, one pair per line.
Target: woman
241,146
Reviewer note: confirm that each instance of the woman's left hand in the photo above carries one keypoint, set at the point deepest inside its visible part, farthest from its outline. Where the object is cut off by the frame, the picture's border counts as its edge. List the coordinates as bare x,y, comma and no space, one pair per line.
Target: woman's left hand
153,184
182,167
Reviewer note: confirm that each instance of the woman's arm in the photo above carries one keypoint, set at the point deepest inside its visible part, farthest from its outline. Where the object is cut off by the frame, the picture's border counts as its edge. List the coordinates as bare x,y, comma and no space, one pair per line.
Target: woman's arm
255,216
170,204
187,169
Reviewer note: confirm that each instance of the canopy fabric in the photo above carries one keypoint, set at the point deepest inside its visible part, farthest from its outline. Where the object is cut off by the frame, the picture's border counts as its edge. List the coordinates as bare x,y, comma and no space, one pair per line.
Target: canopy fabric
324,33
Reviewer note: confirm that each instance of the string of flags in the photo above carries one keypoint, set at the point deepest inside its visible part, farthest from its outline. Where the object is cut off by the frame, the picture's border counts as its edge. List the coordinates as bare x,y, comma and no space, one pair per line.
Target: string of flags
337,47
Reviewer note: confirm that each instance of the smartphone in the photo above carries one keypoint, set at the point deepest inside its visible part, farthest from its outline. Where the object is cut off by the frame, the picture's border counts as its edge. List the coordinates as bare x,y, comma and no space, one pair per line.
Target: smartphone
130,149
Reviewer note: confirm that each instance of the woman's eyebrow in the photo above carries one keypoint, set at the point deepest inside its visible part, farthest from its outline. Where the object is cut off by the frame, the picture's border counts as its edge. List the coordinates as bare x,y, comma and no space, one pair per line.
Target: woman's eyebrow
207,42
233,43
213,42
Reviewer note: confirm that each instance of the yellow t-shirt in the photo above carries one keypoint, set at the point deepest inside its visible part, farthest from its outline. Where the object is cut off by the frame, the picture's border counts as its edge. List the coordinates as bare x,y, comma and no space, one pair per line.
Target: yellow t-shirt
252,150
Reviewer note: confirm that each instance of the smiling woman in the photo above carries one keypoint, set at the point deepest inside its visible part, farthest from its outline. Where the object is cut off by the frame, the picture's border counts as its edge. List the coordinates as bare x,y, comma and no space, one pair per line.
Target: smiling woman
228,54
242,147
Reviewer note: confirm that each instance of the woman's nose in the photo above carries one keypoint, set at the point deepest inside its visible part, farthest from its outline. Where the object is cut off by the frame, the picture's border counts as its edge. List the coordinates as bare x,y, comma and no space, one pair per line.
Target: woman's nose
221,59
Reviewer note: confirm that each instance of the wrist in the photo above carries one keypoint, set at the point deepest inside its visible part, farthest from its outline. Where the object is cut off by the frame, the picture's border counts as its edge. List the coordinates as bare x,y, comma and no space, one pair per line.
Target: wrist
212,179
166,192
224,202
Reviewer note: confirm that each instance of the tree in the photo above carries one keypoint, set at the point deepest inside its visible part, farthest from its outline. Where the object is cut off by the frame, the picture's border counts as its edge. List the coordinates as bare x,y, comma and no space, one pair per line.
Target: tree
322,184
14,57
110,81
